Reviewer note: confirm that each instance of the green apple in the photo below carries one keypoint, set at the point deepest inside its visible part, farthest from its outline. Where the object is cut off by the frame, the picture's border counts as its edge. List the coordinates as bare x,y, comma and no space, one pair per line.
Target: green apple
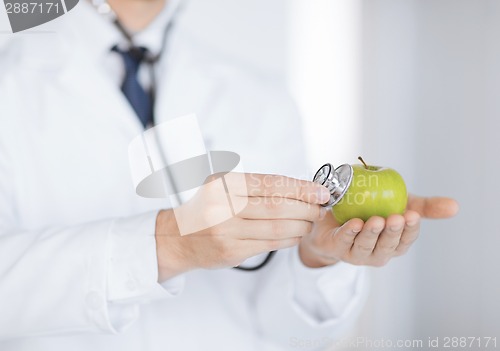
374,191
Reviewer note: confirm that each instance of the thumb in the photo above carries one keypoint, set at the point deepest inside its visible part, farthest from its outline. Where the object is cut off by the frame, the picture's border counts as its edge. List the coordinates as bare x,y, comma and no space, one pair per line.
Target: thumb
433,207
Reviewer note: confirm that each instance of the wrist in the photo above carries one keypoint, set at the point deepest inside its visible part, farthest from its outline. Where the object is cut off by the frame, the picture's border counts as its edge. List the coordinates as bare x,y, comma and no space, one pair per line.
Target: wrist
313,259
169,251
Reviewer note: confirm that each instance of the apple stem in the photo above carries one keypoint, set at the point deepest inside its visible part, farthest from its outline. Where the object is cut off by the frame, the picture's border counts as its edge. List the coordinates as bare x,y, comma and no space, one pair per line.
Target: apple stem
363,162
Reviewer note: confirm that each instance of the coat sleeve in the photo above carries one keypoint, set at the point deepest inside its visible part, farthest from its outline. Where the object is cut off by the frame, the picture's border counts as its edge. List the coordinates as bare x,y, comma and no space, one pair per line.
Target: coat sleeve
89,278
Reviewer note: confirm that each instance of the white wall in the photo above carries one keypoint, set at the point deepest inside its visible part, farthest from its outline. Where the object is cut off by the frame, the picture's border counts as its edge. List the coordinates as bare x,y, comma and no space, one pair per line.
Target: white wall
324,56
431,79
458,109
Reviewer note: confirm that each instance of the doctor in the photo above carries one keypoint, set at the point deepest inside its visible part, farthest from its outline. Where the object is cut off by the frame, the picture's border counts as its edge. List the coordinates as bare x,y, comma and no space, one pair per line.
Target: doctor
86,264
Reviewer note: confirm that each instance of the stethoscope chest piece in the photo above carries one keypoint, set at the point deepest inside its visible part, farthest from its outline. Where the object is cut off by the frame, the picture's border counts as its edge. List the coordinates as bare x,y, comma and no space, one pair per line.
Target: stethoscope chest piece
337,180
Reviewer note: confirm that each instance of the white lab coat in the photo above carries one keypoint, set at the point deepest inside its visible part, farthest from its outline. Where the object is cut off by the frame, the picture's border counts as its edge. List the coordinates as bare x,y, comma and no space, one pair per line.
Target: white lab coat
77,251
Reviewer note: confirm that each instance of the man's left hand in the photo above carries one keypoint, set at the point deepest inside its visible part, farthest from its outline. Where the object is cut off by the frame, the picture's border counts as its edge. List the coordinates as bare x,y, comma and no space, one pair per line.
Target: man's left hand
374,242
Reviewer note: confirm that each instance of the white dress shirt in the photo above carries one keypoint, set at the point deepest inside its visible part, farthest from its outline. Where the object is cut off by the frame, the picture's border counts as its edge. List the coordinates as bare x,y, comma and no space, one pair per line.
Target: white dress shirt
78,266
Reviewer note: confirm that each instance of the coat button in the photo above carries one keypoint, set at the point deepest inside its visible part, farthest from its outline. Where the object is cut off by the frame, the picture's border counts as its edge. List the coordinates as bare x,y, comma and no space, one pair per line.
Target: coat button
94,300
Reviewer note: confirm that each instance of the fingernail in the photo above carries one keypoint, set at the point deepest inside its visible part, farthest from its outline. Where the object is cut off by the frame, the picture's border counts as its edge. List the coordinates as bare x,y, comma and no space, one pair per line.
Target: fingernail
323,194
376,230
411,223
355,231
396,228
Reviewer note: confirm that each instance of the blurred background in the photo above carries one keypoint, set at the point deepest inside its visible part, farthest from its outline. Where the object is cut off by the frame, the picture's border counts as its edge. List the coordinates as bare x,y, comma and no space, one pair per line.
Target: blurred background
410,84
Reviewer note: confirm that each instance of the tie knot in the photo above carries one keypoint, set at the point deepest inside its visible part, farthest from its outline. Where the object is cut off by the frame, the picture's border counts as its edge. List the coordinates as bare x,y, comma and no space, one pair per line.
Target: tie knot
133,56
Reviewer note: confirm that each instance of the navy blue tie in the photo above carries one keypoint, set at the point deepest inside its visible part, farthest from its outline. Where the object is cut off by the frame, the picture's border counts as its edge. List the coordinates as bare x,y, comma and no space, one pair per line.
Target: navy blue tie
140,100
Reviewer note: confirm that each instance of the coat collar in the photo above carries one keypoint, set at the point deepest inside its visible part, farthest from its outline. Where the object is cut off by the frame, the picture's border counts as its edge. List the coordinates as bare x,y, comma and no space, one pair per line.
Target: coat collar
72,55
89,49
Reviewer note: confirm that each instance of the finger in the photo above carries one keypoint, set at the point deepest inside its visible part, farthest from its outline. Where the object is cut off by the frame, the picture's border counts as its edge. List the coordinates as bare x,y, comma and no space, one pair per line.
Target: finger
343,237
273,229
410,233
367,239
433,207
281,208
268,185
388,240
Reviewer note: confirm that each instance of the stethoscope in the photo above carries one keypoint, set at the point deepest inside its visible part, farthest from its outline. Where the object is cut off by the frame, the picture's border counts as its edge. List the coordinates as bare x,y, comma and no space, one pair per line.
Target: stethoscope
151,60
147,57
336,180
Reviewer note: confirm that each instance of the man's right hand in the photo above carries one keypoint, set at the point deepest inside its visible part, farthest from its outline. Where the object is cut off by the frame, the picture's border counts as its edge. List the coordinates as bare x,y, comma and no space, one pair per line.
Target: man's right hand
278,211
